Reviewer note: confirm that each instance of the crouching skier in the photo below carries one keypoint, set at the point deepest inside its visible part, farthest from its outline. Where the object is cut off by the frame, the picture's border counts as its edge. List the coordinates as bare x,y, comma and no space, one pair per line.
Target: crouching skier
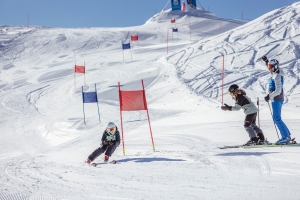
242,101
109,142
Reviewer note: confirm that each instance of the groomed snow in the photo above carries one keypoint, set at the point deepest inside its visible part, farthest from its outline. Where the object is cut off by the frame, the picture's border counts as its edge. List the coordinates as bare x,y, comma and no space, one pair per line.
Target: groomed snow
44,142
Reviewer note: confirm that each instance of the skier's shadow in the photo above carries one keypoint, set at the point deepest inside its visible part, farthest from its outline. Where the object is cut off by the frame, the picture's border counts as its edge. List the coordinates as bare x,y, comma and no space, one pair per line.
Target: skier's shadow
245,153
145,160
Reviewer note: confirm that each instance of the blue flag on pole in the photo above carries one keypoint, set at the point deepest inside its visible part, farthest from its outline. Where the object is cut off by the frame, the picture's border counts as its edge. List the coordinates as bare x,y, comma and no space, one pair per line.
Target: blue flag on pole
126,46
175,29
89,97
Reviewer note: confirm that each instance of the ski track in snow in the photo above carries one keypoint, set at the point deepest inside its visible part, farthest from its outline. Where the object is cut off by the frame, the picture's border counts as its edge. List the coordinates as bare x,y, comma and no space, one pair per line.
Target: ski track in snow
44,142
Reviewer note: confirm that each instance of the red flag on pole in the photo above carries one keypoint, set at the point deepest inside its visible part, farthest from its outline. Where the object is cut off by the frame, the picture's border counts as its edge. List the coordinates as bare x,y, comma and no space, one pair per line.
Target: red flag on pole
134,37
133,101
79,69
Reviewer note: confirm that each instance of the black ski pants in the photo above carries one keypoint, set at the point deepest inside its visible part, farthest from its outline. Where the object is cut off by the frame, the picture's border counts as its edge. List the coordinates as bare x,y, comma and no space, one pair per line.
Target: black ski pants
251,127
109,150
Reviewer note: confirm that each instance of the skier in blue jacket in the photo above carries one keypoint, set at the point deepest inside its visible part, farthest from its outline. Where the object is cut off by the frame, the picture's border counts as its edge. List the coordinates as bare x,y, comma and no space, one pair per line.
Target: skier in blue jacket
276,96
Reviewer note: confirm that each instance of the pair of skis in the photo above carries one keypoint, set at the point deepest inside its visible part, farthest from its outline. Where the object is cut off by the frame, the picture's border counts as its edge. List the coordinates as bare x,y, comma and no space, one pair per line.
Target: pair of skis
268,144
104,162
94,164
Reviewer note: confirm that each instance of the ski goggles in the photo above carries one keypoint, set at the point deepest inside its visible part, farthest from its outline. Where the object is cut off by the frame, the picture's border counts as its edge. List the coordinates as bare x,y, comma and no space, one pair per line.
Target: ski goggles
231,93
111,130
270,66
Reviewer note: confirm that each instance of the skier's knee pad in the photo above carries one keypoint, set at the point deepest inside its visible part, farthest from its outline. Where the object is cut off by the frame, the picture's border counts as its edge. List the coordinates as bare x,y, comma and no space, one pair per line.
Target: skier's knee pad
247,124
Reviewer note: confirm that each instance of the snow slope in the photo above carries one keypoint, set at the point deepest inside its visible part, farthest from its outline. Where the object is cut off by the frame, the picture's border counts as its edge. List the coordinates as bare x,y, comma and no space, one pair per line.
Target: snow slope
44,140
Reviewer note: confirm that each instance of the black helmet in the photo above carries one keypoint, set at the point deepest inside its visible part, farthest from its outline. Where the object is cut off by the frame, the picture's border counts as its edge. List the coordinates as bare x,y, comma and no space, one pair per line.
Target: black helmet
233,88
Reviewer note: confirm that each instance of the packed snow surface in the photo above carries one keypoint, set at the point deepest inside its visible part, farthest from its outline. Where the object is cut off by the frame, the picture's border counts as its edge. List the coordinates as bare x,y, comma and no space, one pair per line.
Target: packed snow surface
44,141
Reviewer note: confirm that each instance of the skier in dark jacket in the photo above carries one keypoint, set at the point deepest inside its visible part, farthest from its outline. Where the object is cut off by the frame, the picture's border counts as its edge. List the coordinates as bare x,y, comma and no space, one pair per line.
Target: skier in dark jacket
276,96
109,142
242,101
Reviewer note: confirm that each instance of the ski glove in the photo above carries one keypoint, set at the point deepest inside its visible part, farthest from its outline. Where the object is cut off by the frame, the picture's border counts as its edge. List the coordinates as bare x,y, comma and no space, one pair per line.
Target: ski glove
265,59
226,107
110,143
267,98
223,108
104,142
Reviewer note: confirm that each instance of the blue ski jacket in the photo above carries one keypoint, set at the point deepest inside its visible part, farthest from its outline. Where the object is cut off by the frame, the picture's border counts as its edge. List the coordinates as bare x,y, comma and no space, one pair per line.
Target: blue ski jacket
276,85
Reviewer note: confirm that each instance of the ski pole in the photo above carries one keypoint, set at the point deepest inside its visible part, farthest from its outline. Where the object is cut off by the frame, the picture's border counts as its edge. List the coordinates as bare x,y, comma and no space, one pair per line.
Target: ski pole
258,112
273,121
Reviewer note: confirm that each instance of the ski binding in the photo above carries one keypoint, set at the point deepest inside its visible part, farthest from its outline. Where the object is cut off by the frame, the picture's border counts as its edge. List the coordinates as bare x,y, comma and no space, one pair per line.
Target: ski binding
105,162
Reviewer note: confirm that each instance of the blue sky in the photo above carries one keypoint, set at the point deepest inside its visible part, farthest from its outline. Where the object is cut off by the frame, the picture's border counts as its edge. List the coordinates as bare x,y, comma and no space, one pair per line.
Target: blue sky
118,13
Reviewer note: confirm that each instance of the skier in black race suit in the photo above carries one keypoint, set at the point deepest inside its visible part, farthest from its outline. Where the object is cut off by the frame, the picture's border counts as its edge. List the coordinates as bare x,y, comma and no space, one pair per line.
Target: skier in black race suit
109,142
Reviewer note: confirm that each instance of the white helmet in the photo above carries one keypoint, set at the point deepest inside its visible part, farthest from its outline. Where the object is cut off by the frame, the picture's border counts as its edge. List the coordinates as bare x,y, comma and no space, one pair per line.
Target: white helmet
111,125
273,64
111,128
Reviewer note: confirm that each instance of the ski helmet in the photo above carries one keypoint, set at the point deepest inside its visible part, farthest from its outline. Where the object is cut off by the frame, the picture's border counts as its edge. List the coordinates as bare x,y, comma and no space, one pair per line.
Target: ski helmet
233,88
273,64
111,128
111,125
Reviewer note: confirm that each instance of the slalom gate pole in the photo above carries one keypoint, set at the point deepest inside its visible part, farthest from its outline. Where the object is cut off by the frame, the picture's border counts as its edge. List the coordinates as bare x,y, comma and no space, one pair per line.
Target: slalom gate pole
273,120
97,103
75,76
172,34
145,101
120,99
74,80
258,112
222,79
167,39
83,106
130,52
138,41
84,75
190,31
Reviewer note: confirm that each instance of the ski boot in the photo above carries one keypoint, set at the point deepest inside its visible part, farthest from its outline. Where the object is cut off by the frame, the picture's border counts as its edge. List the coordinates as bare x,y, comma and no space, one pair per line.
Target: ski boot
252,141
106,158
